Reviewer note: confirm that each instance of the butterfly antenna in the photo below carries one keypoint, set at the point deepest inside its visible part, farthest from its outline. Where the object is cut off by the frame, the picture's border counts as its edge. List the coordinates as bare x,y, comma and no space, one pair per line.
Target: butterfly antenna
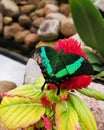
43,86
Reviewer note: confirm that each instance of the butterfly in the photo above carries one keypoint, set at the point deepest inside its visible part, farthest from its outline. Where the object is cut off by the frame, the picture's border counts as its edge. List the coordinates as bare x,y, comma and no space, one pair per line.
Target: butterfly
58,67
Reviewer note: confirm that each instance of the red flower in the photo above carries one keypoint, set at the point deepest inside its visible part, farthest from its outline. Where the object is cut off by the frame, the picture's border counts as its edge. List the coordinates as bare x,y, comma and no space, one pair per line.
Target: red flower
77,82
70,45
73,46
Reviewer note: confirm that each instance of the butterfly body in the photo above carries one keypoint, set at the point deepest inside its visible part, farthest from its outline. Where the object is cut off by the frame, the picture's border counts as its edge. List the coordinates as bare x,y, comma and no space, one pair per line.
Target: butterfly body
57,67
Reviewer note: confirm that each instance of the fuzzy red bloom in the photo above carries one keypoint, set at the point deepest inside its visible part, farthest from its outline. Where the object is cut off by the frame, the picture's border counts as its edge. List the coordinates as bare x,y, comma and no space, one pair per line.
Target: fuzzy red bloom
72,46
77,82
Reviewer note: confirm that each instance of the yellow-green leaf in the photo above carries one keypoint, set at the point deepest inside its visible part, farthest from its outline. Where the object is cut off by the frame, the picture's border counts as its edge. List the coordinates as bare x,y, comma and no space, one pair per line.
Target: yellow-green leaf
52,96
66,117
91,92
20,112
84,113
28,90
31,127
39,82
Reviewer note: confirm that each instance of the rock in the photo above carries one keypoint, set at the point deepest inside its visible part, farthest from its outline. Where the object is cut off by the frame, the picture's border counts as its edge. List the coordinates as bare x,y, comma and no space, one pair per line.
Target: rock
33,72
51,2
23,2
1,23
40,12
24,20
36,2
27,9
33,16
64,9
20,35
49,30
58,16
8,20
41,4
67,27
9,8
51,8
5,86
51,44
38,22
33,29
11,30
31,39
96,106
99,4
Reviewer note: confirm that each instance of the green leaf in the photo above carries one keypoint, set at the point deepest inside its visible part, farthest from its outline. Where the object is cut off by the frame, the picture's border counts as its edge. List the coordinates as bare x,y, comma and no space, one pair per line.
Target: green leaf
97,68
49,112
39,82
89,23
93,93
31,127
93,57
52,96
85,116
19,112
66,117
28,91
99,75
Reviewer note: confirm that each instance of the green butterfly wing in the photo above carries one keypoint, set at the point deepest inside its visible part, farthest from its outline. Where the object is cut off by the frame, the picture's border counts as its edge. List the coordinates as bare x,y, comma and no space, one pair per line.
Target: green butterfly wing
50,60
72,63
58,65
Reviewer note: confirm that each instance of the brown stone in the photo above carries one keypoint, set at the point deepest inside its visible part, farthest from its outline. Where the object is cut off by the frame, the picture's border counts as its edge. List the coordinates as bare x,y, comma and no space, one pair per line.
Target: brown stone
23,2
41,4
5,86
33,16
58,16
64,9
42,43
1,22
20,35
26,9
40,12
51,8
68,28
8,20
38,21
9,8
11,30
49,30
33,29
24,20
31,39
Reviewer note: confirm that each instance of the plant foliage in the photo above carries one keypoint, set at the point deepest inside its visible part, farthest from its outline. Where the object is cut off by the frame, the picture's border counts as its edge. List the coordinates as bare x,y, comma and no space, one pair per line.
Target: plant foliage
89,23
28,107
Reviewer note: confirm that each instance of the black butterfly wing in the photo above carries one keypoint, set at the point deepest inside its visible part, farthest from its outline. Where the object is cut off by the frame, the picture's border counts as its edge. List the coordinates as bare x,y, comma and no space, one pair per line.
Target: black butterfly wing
48,60
58,66
76,65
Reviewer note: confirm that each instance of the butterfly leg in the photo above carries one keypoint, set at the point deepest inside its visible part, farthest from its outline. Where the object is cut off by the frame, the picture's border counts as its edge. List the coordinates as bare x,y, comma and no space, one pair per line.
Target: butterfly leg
43,86
58,90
